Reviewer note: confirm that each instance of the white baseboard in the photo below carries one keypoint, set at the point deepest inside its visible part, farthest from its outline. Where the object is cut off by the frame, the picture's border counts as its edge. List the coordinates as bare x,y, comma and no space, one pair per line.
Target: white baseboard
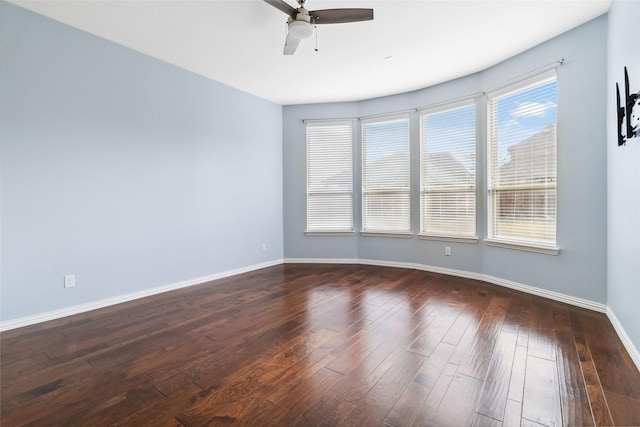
626,341
93,305
556,296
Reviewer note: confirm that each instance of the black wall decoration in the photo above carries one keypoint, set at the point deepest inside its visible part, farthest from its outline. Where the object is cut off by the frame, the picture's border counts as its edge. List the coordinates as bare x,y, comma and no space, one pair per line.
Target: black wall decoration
628,113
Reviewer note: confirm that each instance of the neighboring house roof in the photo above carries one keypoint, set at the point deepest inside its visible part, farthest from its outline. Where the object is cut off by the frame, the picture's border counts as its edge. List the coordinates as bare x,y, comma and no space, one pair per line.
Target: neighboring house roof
387,175
444,170
533,160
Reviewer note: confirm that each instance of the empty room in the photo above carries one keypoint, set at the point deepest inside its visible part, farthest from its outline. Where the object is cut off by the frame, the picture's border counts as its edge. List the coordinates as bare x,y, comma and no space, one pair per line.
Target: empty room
322,212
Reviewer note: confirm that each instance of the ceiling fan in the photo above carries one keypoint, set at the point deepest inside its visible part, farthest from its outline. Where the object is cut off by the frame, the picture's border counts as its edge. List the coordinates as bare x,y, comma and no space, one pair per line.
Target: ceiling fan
301,20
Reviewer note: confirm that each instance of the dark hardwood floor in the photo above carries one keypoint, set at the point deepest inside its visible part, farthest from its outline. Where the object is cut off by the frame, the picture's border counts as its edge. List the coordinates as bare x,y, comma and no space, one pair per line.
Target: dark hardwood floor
323,345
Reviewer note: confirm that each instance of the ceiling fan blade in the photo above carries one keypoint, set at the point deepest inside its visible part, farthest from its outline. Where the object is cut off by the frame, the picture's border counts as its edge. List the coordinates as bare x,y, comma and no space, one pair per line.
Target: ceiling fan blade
340,16
290,45
282,6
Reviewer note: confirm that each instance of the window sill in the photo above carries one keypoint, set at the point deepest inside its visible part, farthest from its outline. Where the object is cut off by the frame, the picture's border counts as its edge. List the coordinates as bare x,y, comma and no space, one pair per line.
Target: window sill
541,249
386,234
329,233
446,238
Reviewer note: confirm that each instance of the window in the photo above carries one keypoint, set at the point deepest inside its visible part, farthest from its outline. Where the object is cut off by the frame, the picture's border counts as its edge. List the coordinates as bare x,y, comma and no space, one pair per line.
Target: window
522,165
329,177
385,175
448,172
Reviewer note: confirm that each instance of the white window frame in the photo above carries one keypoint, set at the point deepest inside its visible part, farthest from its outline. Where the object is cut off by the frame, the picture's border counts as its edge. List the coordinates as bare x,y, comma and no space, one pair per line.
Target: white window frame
493,189
402,190
469,188
324,164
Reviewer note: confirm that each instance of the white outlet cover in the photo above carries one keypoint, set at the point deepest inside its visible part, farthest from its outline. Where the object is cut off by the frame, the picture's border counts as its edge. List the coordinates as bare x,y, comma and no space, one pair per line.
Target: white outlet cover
69,281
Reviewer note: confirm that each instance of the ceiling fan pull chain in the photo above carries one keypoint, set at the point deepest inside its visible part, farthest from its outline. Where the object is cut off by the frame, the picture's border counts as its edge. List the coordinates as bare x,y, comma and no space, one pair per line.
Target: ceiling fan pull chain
316,28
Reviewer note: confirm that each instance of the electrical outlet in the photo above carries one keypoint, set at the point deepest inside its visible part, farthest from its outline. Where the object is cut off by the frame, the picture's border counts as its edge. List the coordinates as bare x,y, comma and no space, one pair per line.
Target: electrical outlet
264,247
69,280
447,251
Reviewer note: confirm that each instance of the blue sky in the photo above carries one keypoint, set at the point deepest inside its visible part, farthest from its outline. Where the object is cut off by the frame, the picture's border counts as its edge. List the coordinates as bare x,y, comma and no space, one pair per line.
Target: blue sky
520,116
525,114
386,138
453,125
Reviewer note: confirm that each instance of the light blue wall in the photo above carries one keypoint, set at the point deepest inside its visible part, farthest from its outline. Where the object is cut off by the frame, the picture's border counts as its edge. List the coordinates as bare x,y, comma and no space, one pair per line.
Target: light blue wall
580,268
126,171
295,184
132,173
623,292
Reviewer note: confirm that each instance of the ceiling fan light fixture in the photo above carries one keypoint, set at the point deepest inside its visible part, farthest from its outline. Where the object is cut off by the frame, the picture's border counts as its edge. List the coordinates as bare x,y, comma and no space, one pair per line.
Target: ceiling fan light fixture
300,29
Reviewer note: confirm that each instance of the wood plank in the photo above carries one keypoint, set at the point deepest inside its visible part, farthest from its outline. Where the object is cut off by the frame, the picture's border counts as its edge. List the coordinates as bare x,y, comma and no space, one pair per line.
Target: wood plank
111,410
314,344
484,421
512,413
18,368
438,328
374,406
496,385
297,402
45,376
541,402
161,412
528,423
360,381
475,363
458,406
70,396
613,364
424,413
573,393
418,390
358,350
625,411
599,408
477,302
229,390
541,343
518,372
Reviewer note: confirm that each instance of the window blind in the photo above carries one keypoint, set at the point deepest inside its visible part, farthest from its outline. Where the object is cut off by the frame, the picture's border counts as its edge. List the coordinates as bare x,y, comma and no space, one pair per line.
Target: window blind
329,176
448,171
522,174
385,175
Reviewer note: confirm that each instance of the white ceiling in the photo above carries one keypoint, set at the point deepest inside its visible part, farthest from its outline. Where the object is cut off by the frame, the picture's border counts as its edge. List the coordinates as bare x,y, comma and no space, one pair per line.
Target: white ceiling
409,45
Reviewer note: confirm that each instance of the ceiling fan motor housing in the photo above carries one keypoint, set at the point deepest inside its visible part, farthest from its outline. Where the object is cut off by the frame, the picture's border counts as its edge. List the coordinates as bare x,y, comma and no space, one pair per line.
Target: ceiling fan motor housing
301,27
301,21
